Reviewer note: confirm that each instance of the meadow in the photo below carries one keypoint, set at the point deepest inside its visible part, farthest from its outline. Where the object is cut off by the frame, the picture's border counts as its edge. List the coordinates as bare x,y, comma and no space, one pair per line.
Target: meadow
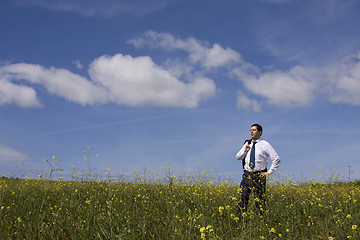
184,206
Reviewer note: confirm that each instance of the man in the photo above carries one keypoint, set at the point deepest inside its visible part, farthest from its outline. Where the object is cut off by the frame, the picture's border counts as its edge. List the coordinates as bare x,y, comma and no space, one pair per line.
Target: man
255,154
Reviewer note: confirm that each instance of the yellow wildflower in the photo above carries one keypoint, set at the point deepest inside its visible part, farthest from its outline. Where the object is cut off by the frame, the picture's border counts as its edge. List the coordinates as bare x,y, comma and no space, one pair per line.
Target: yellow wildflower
221,209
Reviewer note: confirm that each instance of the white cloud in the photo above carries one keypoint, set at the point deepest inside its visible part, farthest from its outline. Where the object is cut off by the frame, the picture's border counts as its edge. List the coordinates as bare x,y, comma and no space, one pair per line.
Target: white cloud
243,102
59,82
20,95
119,79
282,89
78,64
348,91
218,56
7,154
344,81
139,81
207,57
339,83
277,88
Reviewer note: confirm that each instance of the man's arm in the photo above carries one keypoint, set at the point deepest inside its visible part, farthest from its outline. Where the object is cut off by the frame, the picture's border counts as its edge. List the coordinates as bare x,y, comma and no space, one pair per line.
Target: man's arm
274,158
242,153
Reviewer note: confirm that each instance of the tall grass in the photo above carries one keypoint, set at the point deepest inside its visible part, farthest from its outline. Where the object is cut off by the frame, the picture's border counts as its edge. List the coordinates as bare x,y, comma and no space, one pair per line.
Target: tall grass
177,207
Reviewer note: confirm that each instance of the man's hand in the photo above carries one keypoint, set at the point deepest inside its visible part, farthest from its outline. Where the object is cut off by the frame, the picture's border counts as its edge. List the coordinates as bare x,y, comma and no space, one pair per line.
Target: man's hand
265,174
247,147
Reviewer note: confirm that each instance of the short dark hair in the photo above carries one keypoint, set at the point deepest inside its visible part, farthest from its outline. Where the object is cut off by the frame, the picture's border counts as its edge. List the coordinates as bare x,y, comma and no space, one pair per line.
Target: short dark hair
259,127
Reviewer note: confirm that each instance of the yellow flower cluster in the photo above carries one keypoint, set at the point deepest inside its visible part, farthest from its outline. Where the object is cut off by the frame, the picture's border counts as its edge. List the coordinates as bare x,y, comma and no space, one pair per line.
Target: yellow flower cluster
206,231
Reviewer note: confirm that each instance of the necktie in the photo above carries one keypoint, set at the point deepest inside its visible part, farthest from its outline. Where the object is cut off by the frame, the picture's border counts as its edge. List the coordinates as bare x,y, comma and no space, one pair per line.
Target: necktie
252,156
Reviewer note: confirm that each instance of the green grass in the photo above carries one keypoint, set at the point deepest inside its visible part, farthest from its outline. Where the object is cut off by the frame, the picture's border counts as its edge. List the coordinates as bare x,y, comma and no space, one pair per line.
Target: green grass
42,209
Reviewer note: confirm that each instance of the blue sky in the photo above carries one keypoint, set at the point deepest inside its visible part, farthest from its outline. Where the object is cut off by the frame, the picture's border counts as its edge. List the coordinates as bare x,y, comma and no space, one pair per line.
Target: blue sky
144,83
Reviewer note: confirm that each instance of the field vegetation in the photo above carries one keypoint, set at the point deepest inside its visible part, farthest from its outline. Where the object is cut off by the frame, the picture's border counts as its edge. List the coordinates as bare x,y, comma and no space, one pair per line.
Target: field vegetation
189,205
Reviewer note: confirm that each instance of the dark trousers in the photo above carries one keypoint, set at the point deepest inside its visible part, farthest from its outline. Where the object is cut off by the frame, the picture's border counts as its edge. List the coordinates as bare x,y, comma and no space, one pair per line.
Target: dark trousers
252,182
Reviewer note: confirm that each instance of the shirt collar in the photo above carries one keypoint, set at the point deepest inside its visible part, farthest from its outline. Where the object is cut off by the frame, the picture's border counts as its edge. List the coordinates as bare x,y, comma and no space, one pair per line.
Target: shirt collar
257,140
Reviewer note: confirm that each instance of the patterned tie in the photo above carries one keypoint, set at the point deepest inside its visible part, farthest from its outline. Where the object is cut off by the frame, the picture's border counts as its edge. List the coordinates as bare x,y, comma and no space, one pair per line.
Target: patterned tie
252,156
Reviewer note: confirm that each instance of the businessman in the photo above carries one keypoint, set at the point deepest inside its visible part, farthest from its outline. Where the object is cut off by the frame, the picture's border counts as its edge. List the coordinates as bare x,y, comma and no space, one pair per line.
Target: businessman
255,154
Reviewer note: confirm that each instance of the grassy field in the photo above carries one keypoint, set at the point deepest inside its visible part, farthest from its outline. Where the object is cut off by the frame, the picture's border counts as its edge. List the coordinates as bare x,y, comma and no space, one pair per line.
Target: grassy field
194,209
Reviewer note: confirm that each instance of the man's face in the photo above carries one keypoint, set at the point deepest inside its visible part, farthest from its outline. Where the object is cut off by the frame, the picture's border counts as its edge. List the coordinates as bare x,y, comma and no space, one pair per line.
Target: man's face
254,133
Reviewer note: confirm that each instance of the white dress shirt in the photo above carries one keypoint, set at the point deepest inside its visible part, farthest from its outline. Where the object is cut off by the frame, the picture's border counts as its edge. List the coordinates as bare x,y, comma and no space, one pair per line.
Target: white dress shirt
263,150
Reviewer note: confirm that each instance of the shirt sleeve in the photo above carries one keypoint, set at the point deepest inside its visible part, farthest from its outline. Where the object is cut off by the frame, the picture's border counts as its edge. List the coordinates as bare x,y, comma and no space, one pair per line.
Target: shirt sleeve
274,158
241,154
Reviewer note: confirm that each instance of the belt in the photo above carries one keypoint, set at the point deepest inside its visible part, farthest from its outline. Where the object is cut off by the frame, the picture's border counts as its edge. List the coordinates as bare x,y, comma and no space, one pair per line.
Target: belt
265,170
